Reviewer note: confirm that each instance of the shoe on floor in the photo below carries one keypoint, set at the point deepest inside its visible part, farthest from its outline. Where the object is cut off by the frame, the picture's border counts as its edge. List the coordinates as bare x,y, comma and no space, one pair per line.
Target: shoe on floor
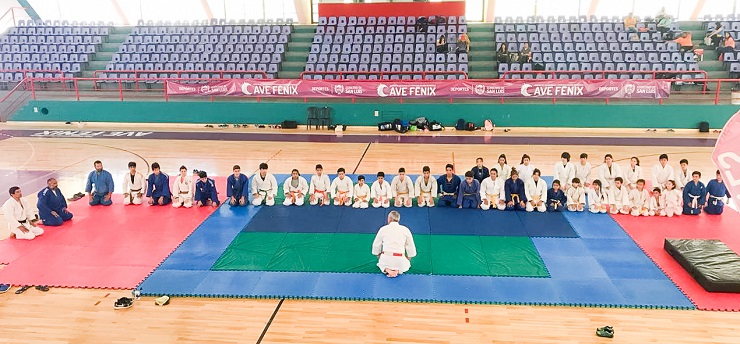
162,301
123,303
4,288
606,331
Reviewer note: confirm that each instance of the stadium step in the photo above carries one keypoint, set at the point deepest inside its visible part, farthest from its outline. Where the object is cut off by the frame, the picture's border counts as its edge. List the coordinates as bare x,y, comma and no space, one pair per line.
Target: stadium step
296,52
293,66
481,62
304,29
289,74
483,75
712,65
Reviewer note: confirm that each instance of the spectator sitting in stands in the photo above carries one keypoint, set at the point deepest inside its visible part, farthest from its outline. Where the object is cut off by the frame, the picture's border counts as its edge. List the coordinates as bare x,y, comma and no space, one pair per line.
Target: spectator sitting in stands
463,43
630,23
684,40
441,44
525,55
717,35
664,27
729,45
502,54
421,24
661,14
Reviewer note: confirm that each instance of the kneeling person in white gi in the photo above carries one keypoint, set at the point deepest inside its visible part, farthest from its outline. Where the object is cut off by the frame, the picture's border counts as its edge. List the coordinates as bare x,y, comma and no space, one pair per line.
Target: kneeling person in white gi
402,189
20,218
341,189
394,247
361,194
182,190
318,189
133,186
425,188
380,192
295,189
536,191
264,187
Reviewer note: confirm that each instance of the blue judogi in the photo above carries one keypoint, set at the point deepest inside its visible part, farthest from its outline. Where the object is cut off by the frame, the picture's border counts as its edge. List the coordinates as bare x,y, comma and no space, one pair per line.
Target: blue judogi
694,191
103,184
206,191
469,195
159,186
237,187
448,190
716,191
52,200
515,192
556,200
480,174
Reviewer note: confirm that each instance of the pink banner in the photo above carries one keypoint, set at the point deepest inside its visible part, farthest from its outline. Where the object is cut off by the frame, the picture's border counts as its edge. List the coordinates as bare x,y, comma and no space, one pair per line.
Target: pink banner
725,155
291,88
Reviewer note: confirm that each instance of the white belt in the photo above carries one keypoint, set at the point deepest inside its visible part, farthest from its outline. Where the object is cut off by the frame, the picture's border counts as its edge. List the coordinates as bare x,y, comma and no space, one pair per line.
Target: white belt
694,201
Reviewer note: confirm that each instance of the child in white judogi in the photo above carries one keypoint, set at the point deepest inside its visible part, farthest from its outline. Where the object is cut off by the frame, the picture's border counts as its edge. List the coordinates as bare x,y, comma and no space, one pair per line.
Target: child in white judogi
264,187
134,186
504,171
318,188
425,188
656,206
619,198
672,200
492,192
295,189
609,171
525,169
598,198
341,189
576,196
633,173
583,170
536,191
662,172
402,189
381,192
361,194
640,200
182,190
683,176
20,218
565,170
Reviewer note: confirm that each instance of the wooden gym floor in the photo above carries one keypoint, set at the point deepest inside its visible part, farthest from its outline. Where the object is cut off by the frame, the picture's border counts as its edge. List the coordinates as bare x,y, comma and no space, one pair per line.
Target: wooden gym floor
87,315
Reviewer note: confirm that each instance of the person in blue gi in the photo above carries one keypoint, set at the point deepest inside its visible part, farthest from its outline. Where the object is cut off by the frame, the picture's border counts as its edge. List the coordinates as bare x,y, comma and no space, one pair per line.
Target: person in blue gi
469,193
516,198
99,187
237,187
556,199
52,205
480,172
159,187
449,185
694,195
205,191
716,193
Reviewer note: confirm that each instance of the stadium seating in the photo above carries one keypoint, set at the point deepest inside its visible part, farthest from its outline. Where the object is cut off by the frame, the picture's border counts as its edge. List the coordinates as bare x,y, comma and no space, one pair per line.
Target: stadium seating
385,44
731,60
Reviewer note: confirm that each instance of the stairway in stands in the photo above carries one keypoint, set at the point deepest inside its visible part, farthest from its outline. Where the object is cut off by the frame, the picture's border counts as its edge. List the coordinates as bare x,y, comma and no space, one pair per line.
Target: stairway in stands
104,55
481,59
296,53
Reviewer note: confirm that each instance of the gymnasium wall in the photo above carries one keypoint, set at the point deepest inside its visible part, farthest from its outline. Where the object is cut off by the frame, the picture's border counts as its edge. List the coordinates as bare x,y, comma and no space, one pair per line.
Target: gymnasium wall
514,115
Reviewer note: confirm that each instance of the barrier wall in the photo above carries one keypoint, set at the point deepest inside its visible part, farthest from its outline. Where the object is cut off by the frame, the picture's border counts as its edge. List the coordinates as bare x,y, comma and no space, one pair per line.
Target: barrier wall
385,9
514,115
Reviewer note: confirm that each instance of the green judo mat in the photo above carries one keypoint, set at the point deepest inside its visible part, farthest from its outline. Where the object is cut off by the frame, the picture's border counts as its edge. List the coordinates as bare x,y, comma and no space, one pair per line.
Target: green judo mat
342,252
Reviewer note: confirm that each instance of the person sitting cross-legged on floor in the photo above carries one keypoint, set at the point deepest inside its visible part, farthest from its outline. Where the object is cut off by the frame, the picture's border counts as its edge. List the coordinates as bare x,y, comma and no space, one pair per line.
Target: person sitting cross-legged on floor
52,205
21,221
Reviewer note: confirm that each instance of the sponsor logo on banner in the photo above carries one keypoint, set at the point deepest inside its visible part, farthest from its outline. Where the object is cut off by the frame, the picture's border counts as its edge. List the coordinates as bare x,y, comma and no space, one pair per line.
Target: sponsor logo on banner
89,133
407,90
269,89
528,90
211,89
726,155
338,89
629,88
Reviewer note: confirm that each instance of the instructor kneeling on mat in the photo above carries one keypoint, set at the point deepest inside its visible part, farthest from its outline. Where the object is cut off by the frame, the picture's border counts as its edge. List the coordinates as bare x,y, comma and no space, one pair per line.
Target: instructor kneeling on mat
391,242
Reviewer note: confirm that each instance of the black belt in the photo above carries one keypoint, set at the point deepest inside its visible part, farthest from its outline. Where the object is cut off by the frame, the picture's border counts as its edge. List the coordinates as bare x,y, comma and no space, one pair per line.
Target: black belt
24,221
137,190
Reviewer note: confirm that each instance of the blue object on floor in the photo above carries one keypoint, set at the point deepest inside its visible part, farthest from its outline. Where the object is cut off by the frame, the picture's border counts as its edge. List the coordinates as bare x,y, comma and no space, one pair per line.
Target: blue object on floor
651,292
463,289
519,290
590,291
595,226
546,225
172,282
228,283
500,223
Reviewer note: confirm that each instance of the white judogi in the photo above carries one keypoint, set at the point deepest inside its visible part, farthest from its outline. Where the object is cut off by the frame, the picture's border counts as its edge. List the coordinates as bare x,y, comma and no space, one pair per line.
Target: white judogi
682,178
391,242
661,175
618,198
525,172
362,196
576,196
504,172
427,190
583,172
566,173
402,190
319,188
342,187
598,201
182,192
493,191
382,192
266,189
536,191
19,214
290,190
631,176
655,206
607,176
672,203
132,191
639,202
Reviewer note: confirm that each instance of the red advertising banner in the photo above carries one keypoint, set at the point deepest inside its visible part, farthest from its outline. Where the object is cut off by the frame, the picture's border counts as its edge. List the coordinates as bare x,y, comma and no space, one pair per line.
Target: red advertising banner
726,155
291,88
